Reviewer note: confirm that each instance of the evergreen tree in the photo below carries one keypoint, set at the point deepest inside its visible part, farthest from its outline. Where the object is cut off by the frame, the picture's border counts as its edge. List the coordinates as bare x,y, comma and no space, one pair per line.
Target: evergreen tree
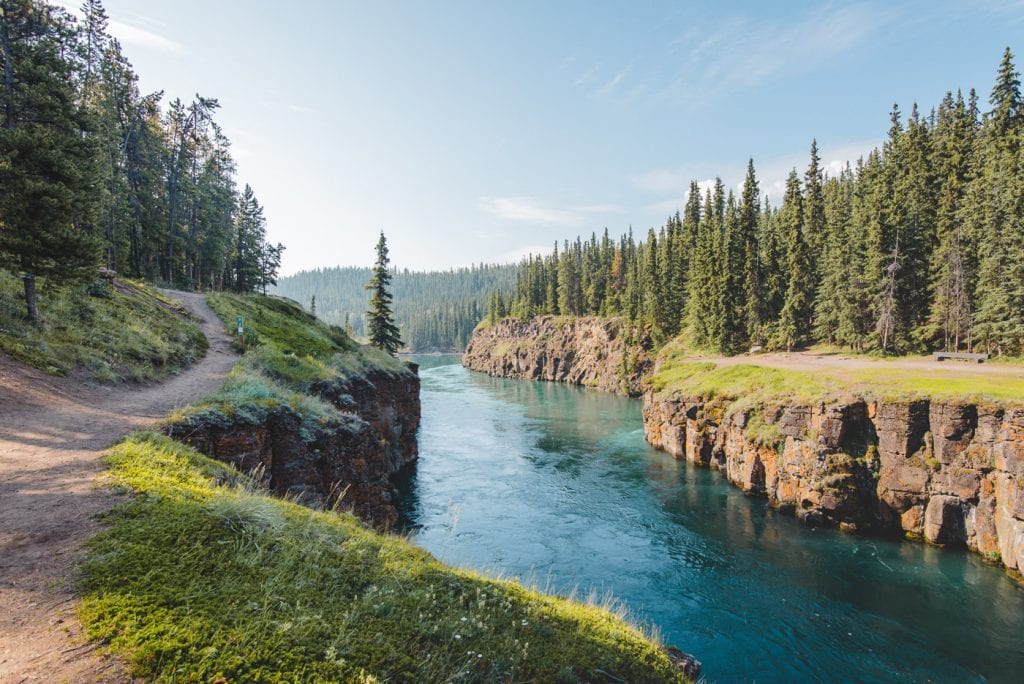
383,332
795,318
48,154
748,257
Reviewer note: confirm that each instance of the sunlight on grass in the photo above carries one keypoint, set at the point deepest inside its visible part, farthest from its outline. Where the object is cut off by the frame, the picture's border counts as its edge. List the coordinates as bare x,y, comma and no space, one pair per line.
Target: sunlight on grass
201,576
115,334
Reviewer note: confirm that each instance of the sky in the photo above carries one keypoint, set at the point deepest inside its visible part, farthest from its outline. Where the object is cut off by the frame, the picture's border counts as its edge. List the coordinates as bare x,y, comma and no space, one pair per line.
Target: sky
479,131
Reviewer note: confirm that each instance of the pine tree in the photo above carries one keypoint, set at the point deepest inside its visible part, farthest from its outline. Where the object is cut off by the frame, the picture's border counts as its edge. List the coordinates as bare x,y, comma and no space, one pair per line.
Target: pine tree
250,233
794,320
383,332
48,155
748,256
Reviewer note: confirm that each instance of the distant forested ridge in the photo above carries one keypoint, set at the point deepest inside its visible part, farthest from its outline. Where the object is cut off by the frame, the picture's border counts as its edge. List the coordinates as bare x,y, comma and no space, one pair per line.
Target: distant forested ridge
95,172
434,310
918,246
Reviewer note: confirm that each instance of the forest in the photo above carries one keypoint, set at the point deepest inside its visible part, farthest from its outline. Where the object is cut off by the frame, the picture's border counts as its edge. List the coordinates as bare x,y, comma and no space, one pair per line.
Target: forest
95,172
435,311
919,246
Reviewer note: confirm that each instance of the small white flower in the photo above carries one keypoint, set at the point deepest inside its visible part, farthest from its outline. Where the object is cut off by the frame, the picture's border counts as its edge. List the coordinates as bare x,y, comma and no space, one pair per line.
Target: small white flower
458,636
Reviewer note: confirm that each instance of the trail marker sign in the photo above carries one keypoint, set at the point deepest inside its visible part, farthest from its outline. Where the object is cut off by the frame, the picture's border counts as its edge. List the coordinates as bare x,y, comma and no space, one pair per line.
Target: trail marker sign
241,328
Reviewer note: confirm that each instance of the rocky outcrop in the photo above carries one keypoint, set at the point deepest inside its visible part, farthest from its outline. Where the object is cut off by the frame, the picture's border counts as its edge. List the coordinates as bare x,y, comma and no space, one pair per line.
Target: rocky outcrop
949,473
347,460
602,353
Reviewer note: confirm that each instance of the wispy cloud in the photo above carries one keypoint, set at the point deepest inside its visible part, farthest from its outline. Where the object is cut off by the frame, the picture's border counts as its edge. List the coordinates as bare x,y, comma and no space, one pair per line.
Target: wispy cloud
144,38
131,33
533,211
611,84
708,60
771,174
742,52
299,109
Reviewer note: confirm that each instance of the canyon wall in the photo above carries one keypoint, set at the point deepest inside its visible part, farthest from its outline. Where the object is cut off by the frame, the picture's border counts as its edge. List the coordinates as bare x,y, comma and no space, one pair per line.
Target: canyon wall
346,461
946,472
950,473
601,353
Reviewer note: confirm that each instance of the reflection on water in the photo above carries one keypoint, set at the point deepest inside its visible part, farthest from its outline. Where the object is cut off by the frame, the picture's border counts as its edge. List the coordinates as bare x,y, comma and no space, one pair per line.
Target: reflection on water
527,478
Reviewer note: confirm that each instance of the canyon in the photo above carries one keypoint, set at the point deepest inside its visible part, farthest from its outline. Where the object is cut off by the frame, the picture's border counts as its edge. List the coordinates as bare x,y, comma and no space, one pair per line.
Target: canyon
347,461
945,472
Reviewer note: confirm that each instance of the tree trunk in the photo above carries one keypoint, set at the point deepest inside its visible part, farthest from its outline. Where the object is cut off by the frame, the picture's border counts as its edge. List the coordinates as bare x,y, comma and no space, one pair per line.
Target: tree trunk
31,301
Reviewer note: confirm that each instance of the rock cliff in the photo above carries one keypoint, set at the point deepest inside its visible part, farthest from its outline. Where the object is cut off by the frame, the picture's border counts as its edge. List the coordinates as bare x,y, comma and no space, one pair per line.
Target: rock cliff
949,473
347,460
605,354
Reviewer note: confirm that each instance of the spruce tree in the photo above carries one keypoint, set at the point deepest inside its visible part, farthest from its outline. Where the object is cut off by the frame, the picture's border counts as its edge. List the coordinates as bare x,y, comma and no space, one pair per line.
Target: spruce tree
48,155
794,320
380,320
748,257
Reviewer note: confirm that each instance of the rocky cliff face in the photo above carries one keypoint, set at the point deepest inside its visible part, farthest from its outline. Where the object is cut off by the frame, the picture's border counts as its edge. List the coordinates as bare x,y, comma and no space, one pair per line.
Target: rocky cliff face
605,354
347,461
950,473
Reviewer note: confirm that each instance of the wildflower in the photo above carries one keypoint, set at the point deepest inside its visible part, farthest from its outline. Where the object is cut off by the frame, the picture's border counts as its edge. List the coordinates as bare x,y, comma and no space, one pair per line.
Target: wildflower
458,636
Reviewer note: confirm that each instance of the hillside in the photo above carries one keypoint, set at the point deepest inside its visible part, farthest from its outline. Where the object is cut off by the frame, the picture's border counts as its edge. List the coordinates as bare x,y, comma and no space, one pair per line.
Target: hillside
204,575
109,330
436,310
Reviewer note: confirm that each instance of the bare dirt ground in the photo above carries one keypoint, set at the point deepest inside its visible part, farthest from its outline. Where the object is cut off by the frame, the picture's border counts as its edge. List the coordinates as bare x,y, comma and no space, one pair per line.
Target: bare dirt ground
812,361
52,432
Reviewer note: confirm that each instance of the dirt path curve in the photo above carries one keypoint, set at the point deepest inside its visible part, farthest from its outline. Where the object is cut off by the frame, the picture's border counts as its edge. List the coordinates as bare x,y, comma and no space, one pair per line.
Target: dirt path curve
52,431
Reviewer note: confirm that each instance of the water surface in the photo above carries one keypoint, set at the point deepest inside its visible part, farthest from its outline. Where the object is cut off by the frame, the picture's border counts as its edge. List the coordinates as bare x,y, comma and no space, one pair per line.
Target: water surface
541,479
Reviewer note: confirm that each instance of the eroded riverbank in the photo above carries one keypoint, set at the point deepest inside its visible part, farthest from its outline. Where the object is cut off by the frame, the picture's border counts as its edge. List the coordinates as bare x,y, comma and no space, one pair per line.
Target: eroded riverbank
522,477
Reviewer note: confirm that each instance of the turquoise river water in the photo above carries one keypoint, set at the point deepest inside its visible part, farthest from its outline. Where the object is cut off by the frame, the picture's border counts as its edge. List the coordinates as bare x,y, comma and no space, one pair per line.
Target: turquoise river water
543,480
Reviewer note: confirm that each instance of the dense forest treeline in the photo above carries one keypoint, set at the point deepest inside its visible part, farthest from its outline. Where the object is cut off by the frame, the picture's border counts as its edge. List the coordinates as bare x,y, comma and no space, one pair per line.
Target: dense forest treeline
435,311
918,246
94,172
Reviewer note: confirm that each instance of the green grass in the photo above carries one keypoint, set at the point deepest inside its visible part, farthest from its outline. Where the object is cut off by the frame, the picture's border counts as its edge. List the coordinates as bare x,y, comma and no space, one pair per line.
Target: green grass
287,352
283,323
128,332
201,577
753,384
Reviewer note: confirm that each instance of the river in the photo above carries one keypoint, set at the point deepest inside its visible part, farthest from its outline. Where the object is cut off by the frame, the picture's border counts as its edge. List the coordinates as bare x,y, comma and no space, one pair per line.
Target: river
546,481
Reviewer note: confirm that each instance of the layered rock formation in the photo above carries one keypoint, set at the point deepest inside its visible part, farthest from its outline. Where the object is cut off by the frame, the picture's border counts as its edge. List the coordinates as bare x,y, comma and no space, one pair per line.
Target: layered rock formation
602,353
945,472
950,473
346,461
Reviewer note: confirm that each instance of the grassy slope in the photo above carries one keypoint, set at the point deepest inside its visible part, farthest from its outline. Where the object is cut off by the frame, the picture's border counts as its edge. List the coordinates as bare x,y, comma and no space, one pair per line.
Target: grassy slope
287,350
128,332
200,575
757,384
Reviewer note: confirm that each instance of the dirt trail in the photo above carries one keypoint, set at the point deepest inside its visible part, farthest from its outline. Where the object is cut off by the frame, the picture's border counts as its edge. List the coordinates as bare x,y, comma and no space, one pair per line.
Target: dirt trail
52,431
812,361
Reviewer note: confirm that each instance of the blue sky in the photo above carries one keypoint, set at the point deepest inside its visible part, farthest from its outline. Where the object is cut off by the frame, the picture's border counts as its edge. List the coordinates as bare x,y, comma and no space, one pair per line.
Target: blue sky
479,131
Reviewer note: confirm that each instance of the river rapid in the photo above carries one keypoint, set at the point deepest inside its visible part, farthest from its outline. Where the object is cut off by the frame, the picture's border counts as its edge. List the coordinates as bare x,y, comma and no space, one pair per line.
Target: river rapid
555,484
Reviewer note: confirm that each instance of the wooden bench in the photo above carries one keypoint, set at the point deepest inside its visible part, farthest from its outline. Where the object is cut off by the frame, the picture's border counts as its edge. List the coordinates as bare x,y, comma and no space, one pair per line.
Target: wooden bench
979,358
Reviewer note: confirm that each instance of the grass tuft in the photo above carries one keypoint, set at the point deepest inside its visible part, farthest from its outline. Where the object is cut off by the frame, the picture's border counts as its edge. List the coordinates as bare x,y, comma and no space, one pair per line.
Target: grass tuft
201,577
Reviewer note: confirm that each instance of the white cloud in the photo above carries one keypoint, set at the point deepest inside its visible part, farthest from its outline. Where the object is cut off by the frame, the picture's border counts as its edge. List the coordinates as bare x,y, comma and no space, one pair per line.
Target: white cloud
299,109
532,210
711,59
140,37
771,173
609,86
130,34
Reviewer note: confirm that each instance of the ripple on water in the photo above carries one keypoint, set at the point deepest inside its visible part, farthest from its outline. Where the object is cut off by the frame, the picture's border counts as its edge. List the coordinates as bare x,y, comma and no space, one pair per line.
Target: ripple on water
539,479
